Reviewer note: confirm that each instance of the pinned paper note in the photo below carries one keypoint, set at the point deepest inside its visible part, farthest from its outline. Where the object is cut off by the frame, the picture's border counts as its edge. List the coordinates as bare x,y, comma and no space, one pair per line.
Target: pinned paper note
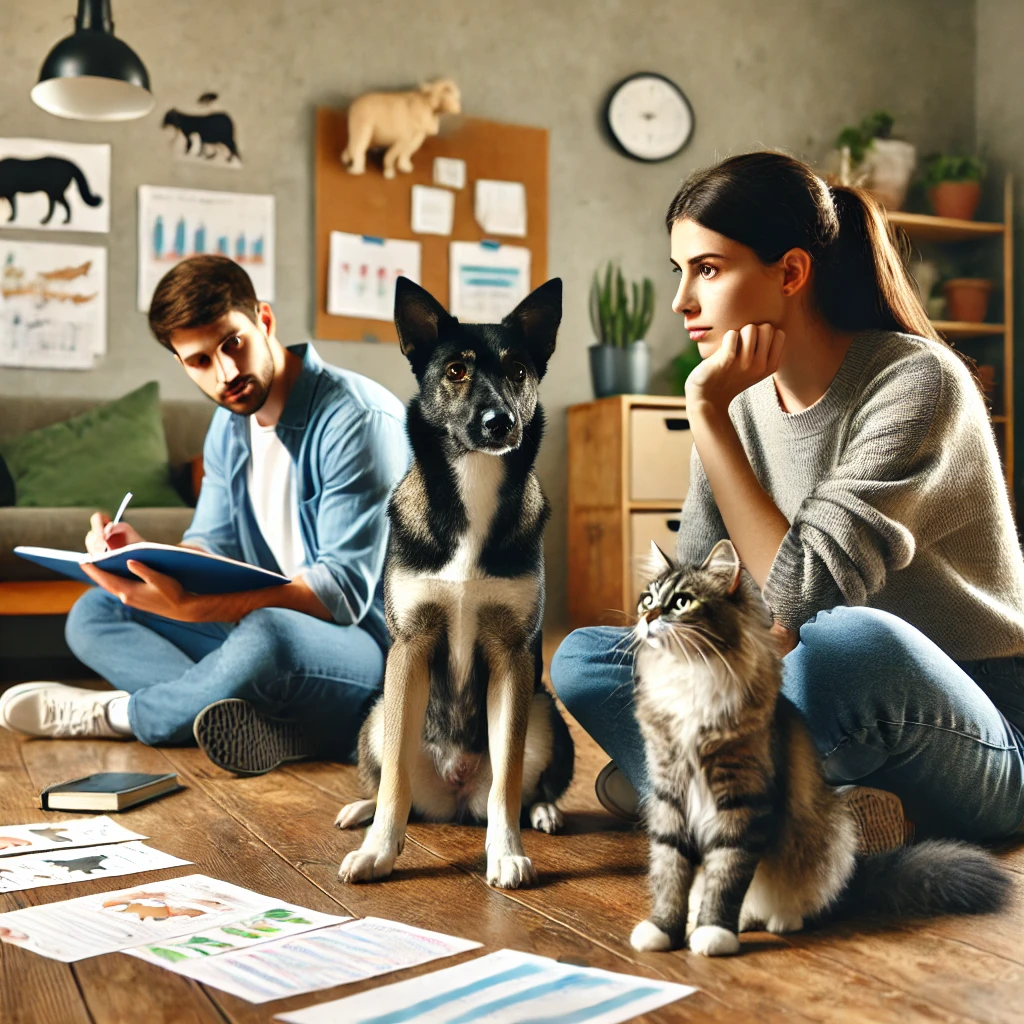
487,280
433,210
449,171
500,207
362,272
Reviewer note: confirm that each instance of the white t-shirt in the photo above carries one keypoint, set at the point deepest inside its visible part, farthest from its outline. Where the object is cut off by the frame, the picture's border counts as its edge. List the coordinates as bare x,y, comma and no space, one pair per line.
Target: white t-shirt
274,497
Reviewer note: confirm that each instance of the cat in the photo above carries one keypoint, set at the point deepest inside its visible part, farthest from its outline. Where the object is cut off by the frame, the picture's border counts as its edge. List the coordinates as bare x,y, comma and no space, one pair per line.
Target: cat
212,129
50,174
744,831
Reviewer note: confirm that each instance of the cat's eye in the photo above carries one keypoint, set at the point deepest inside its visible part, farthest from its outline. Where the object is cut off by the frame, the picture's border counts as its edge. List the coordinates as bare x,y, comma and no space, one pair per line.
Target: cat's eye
646,601
683,604
517,373
456,372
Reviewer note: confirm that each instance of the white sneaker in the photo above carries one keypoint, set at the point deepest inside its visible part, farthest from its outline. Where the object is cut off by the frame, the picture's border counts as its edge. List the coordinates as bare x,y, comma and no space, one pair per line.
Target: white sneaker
616,793
58,711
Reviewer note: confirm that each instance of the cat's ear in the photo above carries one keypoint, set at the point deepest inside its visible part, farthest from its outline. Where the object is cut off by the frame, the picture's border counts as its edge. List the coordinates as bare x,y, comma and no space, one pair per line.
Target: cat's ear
723,559
419,318
538,317
658,562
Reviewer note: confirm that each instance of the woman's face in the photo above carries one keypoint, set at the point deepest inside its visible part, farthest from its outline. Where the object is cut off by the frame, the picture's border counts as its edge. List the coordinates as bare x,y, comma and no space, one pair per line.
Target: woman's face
723,286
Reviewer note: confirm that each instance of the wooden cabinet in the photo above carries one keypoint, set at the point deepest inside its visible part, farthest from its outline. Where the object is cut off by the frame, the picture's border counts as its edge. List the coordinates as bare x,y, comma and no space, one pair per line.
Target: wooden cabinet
629,463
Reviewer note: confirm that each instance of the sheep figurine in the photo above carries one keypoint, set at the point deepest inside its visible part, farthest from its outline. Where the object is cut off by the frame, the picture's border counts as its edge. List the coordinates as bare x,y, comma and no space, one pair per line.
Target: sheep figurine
397,122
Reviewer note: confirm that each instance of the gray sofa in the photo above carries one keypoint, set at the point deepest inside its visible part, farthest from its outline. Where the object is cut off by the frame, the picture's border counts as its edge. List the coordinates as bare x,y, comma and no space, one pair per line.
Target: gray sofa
185,425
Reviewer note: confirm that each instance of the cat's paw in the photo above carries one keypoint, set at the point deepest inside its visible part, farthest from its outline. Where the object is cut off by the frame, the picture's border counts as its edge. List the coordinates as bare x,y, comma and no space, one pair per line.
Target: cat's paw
782,923
366,865
546,818
357,813
710,940
649,938
510,872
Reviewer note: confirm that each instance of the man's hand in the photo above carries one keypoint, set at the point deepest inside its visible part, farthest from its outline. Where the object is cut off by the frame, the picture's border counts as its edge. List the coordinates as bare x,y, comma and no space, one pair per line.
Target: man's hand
744,358
153,592
105,536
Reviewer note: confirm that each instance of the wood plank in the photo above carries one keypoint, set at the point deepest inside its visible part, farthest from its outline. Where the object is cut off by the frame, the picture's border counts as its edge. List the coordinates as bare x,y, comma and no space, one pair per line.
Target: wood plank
40,598
924,227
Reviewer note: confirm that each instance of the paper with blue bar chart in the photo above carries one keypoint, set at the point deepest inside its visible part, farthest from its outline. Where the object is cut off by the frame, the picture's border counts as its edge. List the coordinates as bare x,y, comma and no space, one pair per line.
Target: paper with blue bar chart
176,223
487,280
506,987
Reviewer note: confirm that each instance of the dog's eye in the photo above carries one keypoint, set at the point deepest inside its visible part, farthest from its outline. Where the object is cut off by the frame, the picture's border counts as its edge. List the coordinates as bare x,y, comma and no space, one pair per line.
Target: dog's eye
517,372
456,371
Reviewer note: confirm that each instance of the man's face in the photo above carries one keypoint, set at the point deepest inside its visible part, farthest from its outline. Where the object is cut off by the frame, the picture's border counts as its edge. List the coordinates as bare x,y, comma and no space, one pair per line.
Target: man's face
230,359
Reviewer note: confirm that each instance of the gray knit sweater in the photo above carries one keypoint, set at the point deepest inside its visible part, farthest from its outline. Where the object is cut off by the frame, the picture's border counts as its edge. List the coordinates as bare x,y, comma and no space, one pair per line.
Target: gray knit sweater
894,493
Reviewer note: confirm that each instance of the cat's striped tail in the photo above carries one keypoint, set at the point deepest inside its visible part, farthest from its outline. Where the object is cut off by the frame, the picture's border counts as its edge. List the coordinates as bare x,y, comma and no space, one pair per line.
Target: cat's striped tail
937,876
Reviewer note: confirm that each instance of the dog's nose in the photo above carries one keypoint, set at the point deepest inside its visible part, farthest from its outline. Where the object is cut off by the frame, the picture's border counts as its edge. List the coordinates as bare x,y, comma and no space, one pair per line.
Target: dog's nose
497,423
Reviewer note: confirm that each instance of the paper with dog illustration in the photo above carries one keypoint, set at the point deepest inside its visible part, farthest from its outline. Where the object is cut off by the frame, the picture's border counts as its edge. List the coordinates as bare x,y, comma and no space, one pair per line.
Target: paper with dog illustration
506,987
34,870
146,914
62,835
357,949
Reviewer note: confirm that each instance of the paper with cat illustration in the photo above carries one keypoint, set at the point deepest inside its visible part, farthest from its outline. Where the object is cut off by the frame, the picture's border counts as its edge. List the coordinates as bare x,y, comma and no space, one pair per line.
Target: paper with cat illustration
34,870
47,185
62,835
145,914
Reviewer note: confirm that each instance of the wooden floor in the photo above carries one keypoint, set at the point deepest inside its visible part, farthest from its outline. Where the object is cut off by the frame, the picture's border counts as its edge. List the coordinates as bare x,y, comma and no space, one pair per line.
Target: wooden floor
274,834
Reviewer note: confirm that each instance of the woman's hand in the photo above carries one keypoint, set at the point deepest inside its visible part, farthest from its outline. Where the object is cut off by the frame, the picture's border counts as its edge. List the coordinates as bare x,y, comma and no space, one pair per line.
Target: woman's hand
744,357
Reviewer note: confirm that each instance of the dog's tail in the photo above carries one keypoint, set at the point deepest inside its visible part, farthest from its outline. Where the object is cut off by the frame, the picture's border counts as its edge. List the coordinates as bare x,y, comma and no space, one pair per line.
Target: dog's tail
925,880
83,187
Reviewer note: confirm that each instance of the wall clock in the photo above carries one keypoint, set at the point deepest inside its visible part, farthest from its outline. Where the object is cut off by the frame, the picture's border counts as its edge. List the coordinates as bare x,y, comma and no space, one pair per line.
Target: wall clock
648,117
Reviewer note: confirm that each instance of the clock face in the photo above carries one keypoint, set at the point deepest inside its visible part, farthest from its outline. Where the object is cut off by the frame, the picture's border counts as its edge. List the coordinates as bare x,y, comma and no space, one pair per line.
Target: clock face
649,117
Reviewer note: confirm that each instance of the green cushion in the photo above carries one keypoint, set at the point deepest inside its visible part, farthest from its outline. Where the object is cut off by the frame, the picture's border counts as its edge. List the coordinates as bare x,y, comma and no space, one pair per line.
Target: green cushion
92,459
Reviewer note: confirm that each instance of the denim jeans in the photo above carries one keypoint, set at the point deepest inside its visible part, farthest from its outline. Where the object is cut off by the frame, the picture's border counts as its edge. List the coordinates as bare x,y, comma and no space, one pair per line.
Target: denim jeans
291,666
884,705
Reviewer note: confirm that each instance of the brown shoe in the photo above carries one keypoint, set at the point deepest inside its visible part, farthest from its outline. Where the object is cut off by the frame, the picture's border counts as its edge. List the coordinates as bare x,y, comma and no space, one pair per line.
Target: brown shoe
878,814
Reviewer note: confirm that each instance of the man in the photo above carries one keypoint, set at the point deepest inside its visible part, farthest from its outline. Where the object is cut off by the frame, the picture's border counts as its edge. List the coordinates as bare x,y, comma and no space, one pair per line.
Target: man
299,462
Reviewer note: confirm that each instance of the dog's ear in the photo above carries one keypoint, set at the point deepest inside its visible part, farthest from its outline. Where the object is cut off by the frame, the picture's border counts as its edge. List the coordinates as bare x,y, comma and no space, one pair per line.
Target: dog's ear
538,317
418,318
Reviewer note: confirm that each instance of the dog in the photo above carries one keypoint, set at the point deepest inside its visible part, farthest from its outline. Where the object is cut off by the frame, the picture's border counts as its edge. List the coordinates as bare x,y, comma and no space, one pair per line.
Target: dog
465,728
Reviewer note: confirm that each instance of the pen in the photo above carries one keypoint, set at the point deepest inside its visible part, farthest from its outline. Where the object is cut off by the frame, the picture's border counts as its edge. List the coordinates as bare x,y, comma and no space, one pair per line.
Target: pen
120,511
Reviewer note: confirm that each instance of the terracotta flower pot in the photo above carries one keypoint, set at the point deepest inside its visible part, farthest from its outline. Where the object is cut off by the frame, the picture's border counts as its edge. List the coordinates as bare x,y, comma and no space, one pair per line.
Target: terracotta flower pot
967,298
957,199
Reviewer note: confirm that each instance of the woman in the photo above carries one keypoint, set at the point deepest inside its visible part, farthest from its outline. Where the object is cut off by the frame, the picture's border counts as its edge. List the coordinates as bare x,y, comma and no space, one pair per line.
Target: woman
846,451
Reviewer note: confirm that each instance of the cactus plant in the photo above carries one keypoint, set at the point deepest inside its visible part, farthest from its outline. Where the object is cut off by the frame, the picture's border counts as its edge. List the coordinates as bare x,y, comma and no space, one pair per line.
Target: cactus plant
619,315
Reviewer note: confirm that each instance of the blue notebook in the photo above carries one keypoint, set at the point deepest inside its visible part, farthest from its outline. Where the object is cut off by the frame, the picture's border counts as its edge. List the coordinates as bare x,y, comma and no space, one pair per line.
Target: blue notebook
197,571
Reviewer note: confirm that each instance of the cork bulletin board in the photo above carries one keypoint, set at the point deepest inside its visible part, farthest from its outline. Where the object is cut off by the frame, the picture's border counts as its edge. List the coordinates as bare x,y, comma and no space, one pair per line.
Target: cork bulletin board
370,204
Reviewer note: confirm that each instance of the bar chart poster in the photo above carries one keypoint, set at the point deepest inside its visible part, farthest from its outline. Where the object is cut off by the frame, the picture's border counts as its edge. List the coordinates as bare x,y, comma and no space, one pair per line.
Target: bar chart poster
176,223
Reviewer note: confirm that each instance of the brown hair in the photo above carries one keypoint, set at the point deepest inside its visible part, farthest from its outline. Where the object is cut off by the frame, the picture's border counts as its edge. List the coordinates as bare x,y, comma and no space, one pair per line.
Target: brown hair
197,292
772,203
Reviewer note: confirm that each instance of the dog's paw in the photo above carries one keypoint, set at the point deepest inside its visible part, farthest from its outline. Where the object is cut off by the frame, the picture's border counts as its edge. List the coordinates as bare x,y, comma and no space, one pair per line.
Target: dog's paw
649,938
546,818
357,813
510,872
710,940
366,865
782,923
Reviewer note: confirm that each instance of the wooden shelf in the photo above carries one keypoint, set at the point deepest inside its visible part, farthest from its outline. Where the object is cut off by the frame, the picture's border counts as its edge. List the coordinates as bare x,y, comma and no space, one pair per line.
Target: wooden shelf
999,419
963,329
39,598
655,506
923,227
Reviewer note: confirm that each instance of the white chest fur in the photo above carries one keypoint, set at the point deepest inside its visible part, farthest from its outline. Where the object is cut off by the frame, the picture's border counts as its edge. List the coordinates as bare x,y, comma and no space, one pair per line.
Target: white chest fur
479,477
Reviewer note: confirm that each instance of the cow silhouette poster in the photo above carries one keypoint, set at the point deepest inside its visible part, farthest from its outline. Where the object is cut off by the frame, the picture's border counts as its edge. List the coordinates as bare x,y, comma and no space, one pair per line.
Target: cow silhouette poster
175,223
54,186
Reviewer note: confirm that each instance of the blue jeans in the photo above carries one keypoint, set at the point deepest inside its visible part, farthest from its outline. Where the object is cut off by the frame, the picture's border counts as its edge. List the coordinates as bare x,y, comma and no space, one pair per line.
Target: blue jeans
291,666
885,707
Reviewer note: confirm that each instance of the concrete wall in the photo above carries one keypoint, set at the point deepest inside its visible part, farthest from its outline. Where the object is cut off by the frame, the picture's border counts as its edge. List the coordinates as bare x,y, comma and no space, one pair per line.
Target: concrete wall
755,73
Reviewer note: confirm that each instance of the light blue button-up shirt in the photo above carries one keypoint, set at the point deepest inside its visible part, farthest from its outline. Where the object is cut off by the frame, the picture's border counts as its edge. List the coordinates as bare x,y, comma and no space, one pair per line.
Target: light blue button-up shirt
347,437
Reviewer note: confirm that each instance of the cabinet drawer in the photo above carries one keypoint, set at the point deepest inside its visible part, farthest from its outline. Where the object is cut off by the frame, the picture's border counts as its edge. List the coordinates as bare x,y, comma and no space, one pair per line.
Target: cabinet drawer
661,527
659,454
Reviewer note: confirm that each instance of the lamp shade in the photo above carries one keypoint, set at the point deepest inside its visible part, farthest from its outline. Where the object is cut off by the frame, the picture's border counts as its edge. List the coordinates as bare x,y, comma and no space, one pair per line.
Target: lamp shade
92,75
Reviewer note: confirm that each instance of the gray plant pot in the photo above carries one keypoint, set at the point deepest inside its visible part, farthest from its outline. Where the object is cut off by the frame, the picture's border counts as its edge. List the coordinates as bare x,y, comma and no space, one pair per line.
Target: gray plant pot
638,368
607,370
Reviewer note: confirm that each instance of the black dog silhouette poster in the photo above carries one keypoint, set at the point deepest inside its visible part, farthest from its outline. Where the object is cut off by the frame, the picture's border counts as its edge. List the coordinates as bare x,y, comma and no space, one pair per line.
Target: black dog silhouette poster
54,186
206,135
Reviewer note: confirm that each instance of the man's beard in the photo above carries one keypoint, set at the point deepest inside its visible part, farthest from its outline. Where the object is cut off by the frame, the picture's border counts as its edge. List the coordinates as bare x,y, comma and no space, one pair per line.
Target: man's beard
255,390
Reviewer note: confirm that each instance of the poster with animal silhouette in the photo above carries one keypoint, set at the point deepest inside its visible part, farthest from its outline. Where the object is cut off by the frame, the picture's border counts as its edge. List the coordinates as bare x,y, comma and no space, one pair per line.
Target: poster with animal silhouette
202,133
62,835
53,305
143,915
34,870
175,223
54,186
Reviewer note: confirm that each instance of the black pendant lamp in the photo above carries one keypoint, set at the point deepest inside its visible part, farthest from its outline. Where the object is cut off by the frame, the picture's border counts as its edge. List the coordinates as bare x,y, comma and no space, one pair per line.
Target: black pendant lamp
92,75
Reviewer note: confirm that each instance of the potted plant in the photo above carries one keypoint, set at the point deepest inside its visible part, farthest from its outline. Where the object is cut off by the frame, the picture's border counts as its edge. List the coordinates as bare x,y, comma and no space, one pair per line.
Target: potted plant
953,184
869,157
620,362
966,288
